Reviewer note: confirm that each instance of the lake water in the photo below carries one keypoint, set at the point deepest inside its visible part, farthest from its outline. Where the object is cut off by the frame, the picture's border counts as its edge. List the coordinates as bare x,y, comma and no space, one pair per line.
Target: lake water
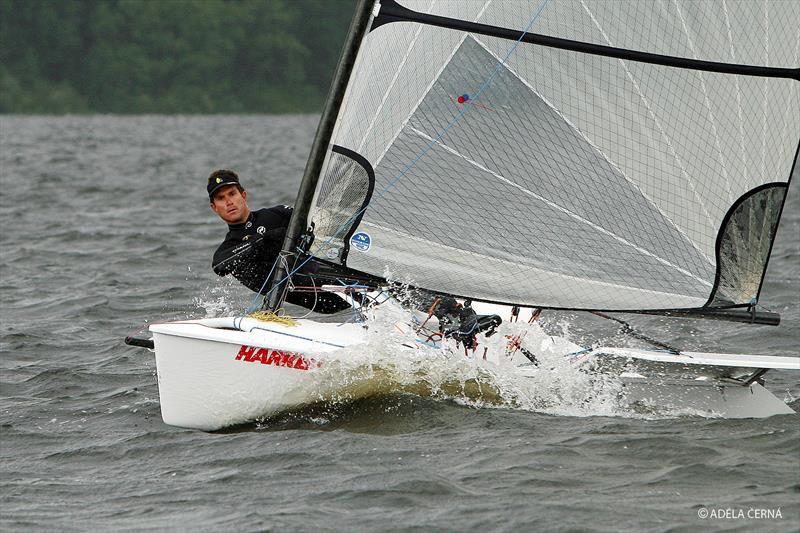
106,227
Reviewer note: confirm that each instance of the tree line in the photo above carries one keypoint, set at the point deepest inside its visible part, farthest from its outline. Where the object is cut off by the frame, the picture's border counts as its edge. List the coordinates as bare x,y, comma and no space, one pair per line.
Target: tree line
169,56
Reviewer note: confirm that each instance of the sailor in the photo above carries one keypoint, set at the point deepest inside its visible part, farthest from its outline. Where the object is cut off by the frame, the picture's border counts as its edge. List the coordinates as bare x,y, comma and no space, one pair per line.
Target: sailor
254,241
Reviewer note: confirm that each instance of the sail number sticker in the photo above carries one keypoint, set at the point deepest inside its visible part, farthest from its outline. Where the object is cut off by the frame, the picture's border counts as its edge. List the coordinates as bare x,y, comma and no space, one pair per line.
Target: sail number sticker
361,241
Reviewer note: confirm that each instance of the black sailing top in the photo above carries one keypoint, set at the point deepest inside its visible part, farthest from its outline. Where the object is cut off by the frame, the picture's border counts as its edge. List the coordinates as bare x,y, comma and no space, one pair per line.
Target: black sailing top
250,250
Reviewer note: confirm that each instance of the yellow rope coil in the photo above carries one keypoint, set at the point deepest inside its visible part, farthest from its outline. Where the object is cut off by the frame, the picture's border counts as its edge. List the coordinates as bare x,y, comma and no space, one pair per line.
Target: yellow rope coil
269,316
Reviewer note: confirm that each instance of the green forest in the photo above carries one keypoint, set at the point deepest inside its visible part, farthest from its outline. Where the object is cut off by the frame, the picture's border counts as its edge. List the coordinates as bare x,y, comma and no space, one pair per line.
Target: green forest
168,56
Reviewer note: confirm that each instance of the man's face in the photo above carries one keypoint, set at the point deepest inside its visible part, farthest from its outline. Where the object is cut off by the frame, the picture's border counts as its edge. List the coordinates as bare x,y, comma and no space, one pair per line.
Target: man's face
231,204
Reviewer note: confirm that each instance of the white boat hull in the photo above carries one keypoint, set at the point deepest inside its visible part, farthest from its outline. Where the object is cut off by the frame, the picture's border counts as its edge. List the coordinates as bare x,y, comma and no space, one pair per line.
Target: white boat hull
702,398
211,378
216,373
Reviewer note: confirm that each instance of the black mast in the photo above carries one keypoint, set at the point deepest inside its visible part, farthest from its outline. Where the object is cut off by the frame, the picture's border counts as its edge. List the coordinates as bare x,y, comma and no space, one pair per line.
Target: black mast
319,149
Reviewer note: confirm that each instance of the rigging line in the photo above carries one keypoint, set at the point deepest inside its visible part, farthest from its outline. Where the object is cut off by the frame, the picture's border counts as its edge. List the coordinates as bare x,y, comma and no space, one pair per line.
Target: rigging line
567,211
252,307
742,150
657,122
316,300
430,145
628,330
311,339
583,136
419,101
707,102
436,78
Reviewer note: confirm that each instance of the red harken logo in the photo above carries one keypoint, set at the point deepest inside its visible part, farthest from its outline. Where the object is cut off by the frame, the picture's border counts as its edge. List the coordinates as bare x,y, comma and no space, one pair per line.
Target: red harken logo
265,356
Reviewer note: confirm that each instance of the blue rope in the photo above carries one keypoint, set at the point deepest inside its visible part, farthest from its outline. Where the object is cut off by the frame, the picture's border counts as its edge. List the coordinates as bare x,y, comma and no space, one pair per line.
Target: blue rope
425,150
253,305
298,337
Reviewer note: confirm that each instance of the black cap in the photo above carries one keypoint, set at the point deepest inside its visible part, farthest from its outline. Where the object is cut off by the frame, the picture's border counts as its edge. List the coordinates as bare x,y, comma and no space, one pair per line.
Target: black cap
219,179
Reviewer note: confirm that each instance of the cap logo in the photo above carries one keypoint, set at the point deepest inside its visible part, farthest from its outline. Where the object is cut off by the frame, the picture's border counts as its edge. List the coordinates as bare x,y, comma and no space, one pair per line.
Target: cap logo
219,180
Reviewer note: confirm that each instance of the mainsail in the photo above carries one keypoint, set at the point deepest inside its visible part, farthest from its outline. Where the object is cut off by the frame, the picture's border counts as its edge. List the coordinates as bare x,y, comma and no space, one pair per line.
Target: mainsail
569,154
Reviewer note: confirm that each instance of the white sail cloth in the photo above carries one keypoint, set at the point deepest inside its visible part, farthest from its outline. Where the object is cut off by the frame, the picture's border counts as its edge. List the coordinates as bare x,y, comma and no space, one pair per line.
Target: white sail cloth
518,173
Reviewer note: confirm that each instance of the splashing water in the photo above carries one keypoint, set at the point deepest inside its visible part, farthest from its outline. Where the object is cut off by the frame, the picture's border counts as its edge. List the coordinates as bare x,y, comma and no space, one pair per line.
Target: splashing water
392,361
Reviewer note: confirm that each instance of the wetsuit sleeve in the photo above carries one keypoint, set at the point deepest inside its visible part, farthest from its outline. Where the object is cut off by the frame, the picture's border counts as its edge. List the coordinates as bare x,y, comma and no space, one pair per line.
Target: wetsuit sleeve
221,263
246,261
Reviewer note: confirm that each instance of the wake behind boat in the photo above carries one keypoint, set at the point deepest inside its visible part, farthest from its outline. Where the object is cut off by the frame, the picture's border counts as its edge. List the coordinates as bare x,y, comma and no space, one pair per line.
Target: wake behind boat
633,160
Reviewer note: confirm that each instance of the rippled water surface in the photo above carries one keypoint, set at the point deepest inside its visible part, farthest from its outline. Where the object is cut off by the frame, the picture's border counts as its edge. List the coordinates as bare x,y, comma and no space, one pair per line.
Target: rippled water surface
106,227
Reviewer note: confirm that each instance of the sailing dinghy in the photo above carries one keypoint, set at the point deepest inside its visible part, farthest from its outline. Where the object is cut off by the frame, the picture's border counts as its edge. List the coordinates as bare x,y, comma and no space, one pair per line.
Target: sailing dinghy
545,154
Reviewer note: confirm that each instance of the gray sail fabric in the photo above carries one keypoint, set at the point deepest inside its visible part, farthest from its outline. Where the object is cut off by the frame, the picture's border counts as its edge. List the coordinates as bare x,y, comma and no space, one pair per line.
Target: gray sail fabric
564,179
342,195
745,243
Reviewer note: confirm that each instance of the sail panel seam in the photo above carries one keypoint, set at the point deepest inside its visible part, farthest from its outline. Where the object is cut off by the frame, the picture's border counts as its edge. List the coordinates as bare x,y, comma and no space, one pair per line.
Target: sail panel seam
706,101
607,284
429,87
583,136
391,84
564,210
657,122
738,93
419,102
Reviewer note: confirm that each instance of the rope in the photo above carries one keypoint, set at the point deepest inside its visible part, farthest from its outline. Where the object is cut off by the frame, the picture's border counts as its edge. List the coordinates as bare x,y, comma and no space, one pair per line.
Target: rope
316,299
282,257
627,329
269,316
253,305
